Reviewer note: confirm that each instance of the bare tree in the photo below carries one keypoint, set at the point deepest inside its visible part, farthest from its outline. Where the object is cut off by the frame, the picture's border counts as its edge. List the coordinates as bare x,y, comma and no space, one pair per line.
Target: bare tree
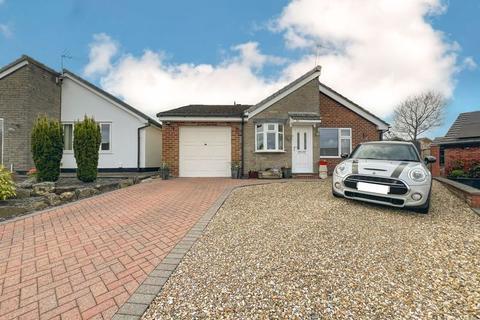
419,114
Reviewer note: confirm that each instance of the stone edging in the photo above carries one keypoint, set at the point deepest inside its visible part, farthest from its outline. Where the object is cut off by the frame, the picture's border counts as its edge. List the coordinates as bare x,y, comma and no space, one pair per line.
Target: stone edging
140,300
469,194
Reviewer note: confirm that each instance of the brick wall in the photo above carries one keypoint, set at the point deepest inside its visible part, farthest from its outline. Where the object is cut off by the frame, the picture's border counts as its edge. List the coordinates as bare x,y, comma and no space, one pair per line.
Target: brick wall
435,167
171,143
26,93
467,155
335,115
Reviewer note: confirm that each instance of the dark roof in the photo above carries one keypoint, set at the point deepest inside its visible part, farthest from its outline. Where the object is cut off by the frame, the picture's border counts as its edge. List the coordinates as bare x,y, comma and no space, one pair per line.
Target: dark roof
112,97
32,61
286,88
465,129
304,115
203,110
356,105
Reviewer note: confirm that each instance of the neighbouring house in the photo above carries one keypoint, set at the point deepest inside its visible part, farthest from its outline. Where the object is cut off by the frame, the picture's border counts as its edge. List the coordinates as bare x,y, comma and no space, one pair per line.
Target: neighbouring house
460,144
424,146
27,89
295,127
131,140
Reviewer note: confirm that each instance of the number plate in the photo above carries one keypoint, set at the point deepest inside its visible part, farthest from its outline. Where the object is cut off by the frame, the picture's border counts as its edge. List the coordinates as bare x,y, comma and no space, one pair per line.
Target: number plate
375,188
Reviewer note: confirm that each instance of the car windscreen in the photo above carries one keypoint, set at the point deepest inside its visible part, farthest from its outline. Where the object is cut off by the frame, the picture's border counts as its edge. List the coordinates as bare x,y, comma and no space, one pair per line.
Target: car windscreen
386,151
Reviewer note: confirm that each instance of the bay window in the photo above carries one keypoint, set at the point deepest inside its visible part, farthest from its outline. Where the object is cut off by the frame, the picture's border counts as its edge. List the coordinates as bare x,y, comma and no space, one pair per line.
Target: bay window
335,141
269,137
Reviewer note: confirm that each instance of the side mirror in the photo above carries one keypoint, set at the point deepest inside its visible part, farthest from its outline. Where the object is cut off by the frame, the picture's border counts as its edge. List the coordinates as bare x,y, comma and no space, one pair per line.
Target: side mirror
430,159
344,155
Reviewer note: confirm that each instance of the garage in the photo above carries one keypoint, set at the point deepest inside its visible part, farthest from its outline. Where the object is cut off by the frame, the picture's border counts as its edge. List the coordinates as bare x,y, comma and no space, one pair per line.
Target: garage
204,151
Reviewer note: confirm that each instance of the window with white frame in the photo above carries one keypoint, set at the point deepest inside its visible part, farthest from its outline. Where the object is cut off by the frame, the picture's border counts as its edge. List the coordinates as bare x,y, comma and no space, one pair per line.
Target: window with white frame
269,137
106,131
68,136
335,141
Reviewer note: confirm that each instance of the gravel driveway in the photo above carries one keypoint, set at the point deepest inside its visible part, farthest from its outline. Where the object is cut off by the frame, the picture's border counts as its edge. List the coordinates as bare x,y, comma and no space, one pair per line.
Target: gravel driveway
291,250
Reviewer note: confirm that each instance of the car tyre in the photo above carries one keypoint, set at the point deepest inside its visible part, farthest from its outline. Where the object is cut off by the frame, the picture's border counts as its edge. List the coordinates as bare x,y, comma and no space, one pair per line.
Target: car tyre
425,207
336,194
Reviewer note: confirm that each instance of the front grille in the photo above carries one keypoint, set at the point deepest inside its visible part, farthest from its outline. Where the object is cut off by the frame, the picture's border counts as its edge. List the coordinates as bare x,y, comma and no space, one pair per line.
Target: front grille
396,186
397,202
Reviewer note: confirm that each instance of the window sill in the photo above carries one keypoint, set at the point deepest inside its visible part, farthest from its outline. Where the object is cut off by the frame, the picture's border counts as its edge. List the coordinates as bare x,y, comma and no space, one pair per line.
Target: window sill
271,151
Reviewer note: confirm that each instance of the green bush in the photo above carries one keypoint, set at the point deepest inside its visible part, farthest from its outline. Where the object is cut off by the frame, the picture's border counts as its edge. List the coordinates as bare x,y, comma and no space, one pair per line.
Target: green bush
474,171
457,173
7,186
86,144
47,148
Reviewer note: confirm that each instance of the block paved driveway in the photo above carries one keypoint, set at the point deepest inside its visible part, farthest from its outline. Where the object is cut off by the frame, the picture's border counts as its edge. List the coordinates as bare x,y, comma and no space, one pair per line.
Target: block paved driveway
85,259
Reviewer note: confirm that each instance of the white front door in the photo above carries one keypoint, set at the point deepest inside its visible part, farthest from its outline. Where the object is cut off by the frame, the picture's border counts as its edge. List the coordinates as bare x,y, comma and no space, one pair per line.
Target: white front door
302,156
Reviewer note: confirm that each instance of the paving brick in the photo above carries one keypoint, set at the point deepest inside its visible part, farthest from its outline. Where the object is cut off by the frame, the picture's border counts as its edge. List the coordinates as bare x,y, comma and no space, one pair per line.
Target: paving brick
87,258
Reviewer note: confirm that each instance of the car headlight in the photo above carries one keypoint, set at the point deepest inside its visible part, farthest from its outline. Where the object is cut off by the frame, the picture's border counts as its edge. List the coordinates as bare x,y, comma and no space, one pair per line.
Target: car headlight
340,169
417,175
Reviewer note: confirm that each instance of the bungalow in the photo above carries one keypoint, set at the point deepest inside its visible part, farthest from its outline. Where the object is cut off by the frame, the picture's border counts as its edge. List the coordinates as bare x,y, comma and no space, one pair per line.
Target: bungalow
298,125
131,140
460,144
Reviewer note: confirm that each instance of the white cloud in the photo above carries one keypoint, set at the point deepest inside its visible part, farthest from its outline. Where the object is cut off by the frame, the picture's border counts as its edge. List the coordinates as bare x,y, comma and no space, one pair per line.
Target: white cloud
102,50
469,63
376,52
5,30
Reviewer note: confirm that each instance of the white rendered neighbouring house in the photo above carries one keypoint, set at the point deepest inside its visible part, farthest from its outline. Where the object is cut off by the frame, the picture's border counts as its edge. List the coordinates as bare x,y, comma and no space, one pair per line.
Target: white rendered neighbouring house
131,140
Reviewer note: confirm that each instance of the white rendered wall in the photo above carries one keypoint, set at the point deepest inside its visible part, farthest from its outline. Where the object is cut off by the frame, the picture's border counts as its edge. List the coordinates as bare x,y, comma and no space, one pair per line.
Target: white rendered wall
78,101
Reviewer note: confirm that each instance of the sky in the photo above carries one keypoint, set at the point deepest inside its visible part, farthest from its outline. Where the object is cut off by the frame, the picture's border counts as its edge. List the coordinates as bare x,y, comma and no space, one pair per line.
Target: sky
158,55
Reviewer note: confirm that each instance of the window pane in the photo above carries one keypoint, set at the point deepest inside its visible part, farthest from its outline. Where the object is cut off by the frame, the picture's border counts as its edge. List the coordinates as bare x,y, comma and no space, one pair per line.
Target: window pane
345,132
345,147
105,136
259,127
260,141
271,137
329,142
280,128
280,141
68,137
271,127
298,140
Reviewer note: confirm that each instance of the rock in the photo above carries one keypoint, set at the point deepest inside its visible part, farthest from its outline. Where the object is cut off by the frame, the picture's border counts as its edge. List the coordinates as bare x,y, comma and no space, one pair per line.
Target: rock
125,183
39,204
23,193
107,187
67,196
53,199
43,188
27,184
63,189
86,192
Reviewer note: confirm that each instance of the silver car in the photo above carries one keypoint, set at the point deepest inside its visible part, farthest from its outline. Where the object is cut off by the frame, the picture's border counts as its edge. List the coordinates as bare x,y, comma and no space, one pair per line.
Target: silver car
385,172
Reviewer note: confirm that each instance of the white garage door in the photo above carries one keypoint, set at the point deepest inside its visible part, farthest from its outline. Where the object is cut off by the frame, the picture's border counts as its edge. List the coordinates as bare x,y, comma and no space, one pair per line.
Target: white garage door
205,151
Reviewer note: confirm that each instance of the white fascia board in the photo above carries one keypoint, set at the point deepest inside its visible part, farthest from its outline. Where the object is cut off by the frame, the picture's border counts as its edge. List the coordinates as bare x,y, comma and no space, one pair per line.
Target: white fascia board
354,108
201,119
282,95
66,75
13,68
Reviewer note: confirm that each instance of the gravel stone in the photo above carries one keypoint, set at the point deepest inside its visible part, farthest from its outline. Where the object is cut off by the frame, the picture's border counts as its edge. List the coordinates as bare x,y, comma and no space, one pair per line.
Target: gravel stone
292,250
